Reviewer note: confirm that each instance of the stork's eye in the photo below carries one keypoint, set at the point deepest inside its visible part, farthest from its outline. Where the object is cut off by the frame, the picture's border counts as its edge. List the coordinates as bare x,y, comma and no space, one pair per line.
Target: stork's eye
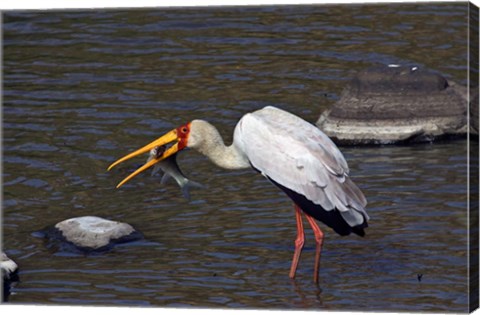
184,129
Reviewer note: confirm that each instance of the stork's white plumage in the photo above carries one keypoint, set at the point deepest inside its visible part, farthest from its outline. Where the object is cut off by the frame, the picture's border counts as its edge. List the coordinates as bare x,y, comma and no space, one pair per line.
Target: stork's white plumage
293,154
302,158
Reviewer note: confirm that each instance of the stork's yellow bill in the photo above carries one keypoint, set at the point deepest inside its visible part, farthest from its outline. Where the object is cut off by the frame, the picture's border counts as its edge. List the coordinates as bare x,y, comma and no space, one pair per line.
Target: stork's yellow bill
178,136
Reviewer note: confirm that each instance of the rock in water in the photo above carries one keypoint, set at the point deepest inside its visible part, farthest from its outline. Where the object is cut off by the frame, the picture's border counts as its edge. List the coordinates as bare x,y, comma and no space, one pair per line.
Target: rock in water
9,270
94,233
396,104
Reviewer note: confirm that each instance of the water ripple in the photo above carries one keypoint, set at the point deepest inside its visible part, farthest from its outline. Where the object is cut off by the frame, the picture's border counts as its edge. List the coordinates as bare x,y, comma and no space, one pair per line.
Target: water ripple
83,88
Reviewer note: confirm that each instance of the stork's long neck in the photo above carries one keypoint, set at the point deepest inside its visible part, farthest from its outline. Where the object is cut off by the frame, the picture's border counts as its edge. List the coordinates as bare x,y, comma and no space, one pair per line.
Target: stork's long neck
209,142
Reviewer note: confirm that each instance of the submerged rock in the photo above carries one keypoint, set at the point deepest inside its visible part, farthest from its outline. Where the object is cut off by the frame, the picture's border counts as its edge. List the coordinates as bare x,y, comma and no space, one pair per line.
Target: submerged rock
396,104
92,233
9,270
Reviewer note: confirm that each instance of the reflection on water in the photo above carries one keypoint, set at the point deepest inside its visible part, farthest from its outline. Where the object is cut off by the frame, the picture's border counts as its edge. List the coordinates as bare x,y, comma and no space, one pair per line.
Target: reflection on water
82,88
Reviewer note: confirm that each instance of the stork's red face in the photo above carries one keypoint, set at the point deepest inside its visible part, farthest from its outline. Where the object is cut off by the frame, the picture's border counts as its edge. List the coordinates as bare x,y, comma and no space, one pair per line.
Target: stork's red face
179,135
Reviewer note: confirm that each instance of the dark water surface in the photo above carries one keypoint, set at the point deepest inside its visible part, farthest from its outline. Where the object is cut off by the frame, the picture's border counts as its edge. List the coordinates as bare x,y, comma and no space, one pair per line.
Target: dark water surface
82,88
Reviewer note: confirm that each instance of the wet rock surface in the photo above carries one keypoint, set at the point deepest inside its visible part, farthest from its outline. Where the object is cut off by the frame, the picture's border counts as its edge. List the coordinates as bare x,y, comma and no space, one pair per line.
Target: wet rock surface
9,270
92,233
396,104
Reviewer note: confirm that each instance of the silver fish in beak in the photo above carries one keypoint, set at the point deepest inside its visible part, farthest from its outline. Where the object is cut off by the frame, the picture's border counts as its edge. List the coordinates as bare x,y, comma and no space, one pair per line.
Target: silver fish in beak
170,169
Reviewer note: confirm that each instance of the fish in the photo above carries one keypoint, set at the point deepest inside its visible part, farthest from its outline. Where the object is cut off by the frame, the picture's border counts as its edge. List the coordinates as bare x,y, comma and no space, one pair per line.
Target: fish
171,169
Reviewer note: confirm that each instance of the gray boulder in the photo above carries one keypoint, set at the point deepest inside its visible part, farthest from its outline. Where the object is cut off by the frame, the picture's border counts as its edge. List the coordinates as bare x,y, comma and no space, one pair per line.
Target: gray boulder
9,270
92,233
396,104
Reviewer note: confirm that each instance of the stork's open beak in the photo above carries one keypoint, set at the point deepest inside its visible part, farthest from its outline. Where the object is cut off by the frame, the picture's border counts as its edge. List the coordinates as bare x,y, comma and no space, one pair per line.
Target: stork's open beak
167,138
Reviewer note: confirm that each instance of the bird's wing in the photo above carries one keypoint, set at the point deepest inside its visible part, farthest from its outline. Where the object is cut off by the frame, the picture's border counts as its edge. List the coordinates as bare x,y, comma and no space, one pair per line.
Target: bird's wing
297,155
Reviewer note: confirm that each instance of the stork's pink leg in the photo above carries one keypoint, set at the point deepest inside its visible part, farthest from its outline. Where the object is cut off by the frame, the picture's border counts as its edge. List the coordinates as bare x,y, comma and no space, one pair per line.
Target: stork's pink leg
299,242
319,241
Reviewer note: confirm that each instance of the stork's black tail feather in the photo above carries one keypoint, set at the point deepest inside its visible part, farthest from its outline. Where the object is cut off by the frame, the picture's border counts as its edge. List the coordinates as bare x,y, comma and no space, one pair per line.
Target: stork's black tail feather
332,218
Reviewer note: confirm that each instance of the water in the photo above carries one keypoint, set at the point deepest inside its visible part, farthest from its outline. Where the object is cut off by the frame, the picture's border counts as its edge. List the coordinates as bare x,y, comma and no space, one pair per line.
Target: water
83,88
